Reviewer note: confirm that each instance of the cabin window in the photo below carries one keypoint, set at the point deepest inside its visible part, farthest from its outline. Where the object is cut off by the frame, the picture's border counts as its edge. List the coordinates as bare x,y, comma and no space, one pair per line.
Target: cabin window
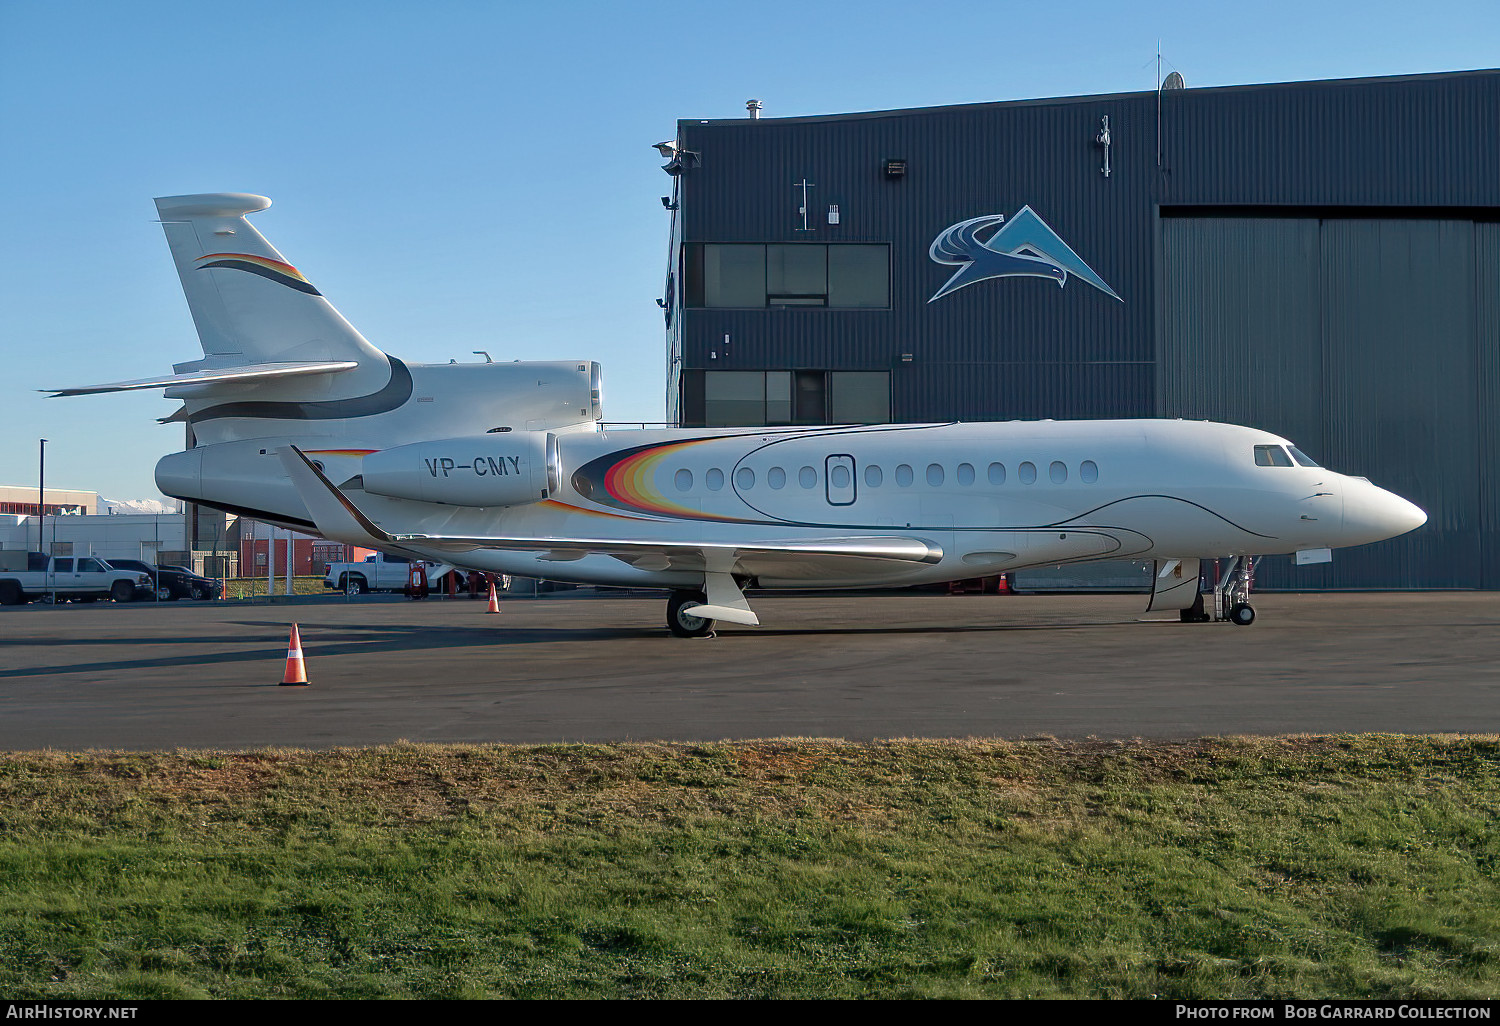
683,480
934,475
965,474
62,566
1058,472
873,476
776,477
807,477
714,479
1302,458
1271,456
1089,472
744,478
1027,471
997,473
903,476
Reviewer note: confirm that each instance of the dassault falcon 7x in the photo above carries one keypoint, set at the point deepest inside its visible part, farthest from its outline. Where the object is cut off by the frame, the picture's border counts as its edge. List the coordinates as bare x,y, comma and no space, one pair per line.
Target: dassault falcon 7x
297,420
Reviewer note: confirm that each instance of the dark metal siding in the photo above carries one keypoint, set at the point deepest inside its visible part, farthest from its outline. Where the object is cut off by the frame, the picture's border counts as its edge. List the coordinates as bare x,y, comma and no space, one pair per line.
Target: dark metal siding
1356,339
1487,374
1222,316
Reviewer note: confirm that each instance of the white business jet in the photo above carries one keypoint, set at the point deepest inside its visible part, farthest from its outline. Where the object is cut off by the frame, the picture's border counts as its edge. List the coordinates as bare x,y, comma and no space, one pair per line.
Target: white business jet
506,467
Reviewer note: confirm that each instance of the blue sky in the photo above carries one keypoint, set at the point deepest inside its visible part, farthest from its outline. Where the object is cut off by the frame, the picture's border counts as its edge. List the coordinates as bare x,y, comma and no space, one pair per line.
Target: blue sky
459,176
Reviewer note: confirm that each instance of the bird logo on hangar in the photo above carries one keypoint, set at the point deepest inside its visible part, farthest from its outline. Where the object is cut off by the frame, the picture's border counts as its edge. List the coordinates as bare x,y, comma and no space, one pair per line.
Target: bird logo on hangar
1024,247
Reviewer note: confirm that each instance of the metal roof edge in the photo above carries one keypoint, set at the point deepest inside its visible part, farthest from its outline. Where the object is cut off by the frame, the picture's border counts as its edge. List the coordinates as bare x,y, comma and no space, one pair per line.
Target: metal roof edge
1432,76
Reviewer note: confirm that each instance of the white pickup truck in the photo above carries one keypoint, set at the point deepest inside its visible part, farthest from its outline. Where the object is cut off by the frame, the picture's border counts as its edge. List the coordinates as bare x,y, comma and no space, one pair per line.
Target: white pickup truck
83,578
384,572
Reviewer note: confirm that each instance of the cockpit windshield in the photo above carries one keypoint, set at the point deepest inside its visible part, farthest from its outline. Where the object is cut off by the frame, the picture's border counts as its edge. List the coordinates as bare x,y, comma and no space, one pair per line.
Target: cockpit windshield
1282,456
1302,458
1271,456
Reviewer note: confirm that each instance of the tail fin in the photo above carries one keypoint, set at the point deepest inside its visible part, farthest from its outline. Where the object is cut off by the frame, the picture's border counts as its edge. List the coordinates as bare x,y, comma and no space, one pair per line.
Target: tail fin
249,304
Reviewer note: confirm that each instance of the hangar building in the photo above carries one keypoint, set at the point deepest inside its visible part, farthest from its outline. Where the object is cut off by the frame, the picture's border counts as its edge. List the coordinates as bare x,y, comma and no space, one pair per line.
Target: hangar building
1319,259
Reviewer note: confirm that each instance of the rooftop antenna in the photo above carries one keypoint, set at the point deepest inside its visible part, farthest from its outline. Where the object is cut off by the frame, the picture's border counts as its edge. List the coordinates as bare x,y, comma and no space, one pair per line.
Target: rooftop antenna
1173,80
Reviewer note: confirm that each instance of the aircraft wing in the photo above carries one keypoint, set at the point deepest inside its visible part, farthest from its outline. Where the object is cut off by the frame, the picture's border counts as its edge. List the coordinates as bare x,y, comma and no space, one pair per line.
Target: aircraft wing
217,376
338,518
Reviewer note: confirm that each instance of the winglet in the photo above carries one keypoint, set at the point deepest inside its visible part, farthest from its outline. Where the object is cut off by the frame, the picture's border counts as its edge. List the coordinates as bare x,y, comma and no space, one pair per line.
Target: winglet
336,517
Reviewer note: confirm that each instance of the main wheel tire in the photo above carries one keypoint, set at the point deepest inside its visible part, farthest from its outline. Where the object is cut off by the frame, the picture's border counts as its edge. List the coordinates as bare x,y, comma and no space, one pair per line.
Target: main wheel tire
1196,612
10,594
680,619
1241,615
121,591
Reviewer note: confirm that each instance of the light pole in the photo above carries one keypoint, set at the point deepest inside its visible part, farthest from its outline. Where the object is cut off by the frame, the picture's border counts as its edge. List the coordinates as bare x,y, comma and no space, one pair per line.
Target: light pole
41,495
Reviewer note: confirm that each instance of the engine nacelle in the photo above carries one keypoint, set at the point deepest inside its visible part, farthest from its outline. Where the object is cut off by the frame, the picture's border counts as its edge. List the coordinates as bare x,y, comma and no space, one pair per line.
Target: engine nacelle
508,468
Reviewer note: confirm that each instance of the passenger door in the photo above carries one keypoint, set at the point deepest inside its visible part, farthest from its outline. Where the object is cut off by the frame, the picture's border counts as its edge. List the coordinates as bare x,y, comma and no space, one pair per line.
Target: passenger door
838,473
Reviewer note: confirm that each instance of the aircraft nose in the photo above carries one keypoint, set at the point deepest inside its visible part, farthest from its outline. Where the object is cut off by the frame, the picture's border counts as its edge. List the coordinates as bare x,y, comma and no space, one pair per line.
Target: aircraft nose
1373,514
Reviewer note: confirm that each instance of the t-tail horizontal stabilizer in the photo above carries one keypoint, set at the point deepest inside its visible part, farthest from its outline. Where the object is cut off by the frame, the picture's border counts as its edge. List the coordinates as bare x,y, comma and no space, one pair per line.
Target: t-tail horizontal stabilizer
217,376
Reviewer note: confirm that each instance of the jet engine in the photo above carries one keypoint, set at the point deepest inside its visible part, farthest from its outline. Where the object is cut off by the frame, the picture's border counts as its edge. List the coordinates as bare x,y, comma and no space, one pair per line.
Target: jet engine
508,468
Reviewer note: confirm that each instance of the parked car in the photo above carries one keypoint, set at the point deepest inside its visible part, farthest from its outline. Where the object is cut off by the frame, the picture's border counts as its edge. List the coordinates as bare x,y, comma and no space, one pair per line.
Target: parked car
384,572
65,578
171,582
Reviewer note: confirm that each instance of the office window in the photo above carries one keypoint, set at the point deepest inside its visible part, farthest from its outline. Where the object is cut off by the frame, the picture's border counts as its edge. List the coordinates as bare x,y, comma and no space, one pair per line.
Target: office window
778,397
860,397
796,275
734,276
846,276
774,398
859,276
734,398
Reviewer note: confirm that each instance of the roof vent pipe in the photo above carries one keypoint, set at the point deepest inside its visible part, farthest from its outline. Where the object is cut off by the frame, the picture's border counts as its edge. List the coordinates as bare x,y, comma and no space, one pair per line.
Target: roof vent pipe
753,106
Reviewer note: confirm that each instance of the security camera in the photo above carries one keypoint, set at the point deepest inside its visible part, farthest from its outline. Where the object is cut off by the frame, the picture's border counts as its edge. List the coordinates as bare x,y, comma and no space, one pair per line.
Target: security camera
666,201
667,149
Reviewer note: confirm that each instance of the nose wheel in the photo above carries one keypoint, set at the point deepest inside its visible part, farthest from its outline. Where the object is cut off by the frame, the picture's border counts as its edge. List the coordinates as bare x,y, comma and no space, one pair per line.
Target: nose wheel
680,618
1241,615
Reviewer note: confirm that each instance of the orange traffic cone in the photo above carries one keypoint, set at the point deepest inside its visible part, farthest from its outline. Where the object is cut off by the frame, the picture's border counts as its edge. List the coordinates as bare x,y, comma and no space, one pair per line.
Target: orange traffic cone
1002,586
296,670
494,602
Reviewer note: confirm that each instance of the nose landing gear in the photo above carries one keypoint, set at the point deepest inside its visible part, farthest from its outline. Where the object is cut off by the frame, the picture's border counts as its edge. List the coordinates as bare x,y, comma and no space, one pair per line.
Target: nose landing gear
1234,592
1231,596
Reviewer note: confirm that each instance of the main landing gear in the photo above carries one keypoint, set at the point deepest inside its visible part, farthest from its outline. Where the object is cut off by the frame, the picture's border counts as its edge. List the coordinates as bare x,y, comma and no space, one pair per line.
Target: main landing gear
680,618
1231,597
692,614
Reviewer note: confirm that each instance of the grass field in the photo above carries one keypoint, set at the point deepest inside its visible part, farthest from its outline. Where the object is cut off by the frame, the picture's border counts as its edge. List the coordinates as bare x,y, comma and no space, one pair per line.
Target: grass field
255,587
1360,866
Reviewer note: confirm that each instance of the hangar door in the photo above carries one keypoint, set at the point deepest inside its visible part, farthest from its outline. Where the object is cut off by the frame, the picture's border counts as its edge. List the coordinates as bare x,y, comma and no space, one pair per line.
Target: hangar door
1374,345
